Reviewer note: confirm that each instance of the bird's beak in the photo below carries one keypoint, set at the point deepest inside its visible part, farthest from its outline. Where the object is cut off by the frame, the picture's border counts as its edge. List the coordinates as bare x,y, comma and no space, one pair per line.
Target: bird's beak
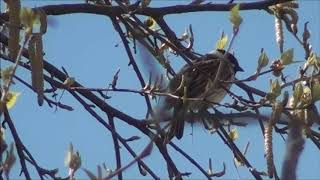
239,69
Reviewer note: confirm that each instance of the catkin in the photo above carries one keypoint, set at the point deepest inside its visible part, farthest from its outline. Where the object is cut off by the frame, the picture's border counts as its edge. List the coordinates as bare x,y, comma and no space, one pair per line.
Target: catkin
268,150
14,27
279,32
31,52
276,113
36,58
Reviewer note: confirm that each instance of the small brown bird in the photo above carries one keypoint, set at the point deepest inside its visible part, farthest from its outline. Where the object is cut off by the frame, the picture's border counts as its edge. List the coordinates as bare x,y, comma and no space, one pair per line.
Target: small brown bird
197,81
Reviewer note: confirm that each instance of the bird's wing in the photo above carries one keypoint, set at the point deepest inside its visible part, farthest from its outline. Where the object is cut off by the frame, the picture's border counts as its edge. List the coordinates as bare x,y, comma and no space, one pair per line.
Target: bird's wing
196,77
200,74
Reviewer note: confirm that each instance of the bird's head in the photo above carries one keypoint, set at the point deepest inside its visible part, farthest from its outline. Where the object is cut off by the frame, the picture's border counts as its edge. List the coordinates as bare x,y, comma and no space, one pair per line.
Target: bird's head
231,58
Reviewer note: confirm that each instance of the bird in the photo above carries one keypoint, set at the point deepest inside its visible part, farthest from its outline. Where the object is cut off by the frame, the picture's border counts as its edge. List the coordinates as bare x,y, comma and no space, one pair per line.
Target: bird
197,81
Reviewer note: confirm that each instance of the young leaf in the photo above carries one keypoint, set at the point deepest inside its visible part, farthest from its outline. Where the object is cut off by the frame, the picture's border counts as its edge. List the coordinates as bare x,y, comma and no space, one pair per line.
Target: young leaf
312,59
11,99
263,60
222,42
235,18
150,23
298,91
307,96
287,57
234,134
276,88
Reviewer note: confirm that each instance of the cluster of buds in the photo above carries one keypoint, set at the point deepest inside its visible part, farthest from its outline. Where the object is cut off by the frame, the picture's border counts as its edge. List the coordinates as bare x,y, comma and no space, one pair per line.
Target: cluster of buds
302,102
313,61
278,65
275,91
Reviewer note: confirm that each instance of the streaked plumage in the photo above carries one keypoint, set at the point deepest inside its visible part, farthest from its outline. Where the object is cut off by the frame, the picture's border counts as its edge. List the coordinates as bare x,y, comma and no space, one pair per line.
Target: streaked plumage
198,82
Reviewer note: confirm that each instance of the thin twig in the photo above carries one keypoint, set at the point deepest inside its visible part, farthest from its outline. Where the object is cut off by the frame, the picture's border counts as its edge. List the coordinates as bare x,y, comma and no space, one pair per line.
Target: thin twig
116,147
190,159
132,61
8,82
18,143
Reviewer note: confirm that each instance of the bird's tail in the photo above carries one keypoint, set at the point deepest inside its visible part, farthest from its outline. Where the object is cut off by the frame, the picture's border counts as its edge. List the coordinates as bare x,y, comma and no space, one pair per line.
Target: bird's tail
177,123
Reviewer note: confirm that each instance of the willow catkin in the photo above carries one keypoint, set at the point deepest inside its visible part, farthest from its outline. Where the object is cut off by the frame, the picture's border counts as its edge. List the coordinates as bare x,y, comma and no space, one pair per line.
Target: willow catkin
14,27
39,57
36,58
31,50
276,113
268,149
279,32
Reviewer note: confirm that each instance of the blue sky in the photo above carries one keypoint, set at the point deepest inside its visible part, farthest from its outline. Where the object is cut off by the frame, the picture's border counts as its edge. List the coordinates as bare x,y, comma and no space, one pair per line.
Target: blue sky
84,45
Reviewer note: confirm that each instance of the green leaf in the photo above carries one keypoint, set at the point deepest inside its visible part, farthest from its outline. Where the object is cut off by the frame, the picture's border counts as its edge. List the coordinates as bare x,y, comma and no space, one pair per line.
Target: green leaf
312,59
11,99
307,96
222,42
263,60
287,57
150,23
276,88
316,92
298,91
235,18
234,134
